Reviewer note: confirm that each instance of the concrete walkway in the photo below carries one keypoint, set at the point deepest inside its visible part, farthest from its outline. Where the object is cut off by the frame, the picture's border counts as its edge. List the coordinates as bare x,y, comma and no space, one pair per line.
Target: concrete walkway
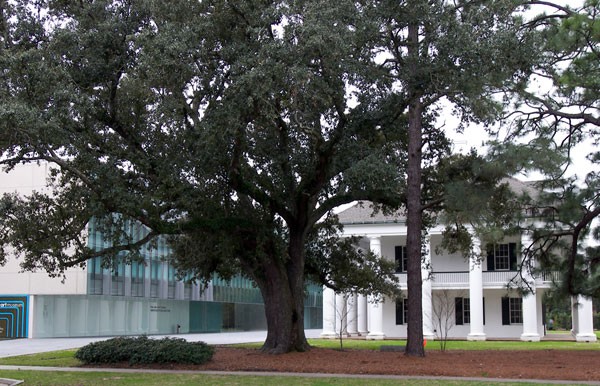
15,347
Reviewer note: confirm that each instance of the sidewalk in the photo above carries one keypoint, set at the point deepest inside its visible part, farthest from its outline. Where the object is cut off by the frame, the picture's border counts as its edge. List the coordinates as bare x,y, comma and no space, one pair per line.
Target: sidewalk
31,346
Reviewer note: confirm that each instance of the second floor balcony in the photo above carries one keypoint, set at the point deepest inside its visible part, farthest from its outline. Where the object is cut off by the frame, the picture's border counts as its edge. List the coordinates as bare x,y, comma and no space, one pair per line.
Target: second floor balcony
491,279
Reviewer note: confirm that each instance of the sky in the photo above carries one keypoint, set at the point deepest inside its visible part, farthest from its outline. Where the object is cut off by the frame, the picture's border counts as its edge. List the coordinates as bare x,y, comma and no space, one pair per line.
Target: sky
475,136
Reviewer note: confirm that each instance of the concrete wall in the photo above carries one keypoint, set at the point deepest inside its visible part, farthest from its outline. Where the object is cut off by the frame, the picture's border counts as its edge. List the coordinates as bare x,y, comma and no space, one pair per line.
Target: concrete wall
71,316
24,179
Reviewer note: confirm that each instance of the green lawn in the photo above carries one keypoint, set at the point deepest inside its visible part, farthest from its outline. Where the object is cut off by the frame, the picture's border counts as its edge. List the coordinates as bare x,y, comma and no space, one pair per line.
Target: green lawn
63,358
460,345
66,358
71,378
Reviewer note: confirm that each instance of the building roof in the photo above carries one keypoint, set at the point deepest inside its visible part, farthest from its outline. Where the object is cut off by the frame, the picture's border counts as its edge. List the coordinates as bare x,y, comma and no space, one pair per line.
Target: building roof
362,212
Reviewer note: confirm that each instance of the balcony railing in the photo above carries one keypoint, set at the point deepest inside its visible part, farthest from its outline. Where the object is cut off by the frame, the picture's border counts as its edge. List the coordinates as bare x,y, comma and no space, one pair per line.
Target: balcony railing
491,279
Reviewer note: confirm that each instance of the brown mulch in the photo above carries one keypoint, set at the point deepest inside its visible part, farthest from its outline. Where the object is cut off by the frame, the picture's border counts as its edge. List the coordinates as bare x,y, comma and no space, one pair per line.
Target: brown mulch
542,364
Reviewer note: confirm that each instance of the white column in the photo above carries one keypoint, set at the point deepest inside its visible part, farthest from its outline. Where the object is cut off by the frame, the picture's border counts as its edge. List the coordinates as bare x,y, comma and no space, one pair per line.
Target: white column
32,316
476,293
341,315
426,296
530,330
328,313
361,315
352,312
583,322
375,308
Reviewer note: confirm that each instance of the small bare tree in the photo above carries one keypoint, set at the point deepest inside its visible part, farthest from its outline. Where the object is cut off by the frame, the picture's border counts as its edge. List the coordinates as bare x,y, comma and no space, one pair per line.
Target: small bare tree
443,309
343,316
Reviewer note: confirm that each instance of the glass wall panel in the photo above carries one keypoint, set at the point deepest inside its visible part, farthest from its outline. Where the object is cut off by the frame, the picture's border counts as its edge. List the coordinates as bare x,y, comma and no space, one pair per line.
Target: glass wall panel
137,279
118,279
94,267
154,278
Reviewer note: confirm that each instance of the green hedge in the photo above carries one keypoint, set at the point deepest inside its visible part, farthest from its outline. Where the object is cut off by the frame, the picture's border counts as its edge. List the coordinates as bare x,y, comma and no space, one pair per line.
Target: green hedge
143,350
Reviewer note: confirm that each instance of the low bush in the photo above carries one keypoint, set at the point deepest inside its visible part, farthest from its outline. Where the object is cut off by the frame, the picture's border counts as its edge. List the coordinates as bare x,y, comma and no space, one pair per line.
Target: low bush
143,350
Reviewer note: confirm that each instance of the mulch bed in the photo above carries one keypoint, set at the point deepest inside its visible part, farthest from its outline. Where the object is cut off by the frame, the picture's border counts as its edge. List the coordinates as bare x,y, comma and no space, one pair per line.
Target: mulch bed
538,364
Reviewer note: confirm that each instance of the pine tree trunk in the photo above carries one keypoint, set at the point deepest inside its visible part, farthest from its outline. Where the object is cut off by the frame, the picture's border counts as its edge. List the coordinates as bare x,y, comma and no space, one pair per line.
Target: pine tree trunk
414,344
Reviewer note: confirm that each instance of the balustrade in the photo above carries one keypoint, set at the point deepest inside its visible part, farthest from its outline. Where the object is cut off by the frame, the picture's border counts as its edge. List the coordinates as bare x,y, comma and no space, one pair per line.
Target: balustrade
460,279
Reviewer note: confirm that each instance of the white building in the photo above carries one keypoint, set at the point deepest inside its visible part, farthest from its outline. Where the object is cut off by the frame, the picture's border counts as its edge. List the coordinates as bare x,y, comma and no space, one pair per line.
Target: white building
141,298
480,303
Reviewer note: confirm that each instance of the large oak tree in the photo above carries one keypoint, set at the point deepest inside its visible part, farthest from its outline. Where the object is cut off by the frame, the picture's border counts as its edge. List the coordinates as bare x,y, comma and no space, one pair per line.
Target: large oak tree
231,128
235,128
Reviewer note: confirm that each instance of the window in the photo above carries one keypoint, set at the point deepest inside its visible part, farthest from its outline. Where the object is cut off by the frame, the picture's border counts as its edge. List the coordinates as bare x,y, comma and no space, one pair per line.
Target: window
137,278
154,278
187,287
462,311
401,311
171,282
502,257
512,311
118,279
516,310
401,258
95,276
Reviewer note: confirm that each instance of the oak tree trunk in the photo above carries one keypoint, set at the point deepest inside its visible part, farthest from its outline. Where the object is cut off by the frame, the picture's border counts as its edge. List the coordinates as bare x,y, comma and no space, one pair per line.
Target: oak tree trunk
283,293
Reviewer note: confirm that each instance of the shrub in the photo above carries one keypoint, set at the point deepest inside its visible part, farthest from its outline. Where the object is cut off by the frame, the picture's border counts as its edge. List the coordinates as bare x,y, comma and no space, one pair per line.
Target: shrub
143,350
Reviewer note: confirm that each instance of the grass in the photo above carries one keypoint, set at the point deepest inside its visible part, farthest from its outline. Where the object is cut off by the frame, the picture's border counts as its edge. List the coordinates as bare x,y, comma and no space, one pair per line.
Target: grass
451,345
65,358
71,378
459,345
62,358
462,345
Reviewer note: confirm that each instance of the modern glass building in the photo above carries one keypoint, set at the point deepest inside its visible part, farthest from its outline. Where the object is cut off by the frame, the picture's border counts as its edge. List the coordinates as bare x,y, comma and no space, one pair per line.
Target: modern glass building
126,299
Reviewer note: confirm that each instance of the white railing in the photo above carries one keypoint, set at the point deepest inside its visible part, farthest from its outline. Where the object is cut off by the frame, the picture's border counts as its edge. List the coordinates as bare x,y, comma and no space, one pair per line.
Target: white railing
491,279
450,279
548,278
498,278
402,278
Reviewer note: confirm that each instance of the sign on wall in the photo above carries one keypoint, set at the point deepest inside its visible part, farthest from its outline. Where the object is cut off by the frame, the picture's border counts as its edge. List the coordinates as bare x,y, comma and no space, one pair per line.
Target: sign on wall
14,312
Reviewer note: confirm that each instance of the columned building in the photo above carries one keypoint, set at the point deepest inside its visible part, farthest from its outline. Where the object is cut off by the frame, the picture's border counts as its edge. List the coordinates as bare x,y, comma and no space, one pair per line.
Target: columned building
474,289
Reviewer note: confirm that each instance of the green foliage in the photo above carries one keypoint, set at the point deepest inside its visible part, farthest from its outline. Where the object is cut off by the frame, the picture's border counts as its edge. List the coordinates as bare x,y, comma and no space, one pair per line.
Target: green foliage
144,350
447,51
550,129
229,128
343,266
